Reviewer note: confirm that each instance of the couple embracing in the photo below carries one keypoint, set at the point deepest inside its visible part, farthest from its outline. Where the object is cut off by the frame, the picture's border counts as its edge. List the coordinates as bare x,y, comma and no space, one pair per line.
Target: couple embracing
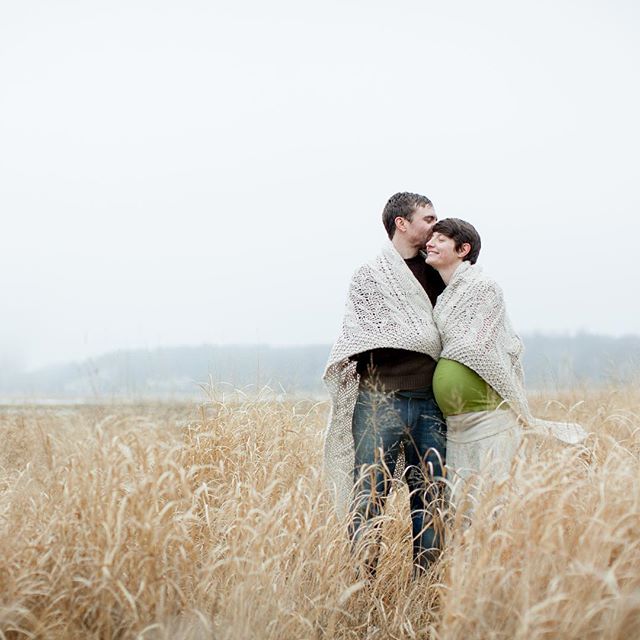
427,362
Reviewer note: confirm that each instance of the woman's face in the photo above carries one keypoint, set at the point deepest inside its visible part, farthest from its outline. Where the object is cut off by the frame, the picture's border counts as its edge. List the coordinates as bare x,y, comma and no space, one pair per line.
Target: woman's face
441,251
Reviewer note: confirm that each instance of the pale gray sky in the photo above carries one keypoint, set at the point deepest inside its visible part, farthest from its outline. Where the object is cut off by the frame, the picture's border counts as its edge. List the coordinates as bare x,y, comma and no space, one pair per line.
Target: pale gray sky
179,173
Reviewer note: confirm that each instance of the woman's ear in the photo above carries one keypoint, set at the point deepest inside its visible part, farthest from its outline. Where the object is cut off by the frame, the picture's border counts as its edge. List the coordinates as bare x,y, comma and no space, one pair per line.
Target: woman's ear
463,250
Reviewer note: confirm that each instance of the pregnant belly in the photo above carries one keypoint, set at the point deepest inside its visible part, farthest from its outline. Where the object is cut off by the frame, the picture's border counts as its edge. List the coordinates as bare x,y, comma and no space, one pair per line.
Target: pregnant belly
458,389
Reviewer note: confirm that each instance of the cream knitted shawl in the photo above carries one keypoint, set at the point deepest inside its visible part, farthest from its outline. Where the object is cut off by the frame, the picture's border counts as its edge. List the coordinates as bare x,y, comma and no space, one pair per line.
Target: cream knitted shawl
386,307
475,330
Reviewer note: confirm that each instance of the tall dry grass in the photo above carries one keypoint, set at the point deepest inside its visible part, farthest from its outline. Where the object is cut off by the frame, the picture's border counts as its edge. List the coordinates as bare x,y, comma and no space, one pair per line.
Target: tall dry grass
212,522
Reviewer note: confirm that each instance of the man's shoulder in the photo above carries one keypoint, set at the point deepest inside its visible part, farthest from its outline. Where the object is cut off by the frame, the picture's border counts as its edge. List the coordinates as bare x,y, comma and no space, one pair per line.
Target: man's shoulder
361,270
367,268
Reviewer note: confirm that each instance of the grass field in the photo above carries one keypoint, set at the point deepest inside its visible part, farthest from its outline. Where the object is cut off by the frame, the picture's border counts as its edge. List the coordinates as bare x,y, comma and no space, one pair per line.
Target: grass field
211,521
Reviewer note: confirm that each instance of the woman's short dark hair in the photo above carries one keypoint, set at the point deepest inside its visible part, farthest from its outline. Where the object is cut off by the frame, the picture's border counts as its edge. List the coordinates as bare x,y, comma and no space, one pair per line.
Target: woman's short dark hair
402,204
460,232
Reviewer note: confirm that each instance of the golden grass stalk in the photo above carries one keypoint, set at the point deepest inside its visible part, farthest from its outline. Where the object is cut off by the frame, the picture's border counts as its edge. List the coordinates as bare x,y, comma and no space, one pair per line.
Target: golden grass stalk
182,522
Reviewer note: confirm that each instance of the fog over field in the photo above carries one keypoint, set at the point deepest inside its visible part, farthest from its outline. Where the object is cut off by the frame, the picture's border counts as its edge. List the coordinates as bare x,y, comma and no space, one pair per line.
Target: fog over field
584,362
211,173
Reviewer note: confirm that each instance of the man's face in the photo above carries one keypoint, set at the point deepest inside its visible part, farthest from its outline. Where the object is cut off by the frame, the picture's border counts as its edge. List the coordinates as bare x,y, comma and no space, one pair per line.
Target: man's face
419,228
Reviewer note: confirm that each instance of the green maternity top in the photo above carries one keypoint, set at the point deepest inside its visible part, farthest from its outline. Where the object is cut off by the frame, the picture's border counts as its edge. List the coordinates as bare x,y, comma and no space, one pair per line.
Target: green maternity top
458,389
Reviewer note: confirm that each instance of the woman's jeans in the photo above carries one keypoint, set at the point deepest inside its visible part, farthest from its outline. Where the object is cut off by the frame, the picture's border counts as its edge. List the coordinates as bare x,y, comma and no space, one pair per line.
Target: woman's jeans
382,422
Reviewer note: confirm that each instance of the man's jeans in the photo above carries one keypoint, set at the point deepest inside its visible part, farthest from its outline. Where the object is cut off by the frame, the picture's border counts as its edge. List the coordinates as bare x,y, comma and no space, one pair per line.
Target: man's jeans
381,423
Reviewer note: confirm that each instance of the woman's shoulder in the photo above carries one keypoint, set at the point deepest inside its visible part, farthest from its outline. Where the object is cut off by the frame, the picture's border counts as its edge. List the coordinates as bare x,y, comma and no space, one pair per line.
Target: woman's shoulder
485,278
468,272
480,281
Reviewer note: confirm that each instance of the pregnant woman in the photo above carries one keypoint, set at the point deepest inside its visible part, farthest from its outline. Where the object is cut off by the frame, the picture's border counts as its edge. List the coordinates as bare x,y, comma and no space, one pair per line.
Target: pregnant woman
478,382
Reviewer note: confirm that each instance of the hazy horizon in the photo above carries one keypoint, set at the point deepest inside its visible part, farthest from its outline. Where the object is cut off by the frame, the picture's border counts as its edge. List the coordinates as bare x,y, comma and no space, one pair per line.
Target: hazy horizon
22,367
551,363
213,173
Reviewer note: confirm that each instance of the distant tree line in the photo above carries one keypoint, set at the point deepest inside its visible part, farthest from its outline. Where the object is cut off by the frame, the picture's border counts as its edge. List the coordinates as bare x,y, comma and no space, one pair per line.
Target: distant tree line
550,362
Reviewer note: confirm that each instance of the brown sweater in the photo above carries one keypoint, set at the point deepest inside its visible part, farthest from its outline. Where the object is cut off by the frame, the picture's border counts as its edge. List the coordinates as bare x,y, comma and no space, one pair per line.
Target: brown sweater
398,369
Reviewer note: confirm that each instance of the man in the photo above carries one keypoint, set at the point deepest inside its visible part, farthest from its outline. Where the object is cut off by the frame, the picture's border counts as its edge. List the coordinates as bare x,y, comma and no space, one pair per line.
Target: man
379,377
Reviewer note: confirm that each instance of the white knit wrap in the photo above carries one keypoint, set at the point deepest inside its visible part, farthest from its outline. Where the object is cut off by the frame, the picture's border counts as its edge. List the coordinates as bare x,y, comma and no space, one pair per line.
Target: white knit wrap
386,308
475,330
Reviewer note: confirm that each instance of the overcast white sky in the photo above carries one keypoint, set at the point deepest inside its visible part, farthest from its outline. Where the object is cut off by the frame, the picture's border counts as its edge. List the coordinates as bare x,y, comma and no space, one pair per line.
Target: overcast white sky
187,172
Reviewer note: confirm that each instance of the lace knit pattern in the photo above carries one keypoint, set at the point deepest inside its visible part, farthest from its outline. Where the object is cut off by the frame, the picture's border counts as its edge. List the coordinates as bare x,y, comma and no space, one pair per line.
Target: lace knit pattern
475,330
386,308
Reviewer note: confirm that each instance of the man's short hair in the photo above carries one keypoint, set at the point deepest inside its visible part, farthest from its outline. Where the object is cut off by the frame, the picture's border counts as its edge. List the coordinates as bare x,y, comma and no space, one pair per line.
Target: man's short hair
460,232
404,205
